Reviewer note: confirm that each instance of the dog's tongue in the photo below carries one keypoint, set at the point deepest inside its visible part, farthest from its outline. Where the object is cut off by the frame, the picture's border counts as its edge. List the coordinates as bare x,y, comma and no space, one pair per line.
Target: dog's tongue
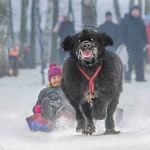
86,53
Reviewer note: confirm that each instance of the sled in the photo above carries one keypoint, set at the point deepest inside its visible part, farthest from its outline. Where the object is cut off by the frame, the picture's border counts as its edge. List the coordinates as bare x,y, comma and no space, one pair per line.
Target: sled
37,123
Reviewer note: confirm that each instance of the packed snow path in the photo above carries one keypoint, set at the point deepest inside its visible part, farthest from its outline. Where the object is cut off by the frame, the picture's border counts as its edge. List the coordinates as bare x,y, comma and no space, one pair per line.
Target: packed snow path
19,94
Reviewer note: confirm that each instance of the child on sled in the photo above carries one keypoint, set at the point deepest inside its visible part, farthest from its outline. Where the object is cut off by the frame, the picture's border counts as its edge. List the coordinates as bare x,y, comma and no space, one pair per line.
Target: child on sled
51,104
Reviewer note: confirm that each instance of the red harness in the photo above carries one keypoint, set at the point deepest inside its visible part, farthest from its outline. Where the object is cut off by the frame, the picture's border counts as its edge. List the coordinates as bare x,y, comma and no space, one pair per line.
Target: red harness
91,83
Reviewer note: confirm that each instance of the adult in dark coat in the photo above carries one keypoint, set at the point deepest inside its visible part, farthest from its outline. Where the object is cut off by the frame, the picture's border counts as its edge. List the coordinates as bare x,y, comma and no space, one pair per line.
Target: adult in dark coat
66,28
133,34
111,29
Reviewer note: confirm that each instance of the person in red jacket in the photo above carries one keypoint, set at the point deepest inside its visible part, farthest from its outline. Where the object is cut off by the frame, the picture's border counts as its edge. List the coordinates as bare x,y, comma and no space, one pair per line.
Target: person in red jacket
13,54
147,25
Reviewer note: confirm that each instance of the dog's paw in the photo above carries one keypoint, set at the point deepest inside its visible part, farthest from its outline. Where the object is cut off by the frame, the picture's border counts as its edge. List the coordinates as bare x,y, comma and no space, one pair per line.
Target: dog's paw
111,131
79,128
80,125
89,129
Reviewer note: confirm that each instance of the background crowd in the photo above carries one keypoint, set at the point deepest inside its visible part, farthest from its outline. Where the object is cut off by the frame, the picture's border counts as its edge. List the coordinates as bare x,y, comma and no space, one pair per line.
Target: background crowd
130,34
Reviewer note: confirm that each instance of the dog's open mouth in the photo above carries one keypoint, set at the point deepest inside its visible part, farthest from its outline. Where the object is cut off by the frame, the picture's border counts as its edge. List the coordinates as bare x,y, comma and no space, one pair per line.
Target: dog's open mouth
86,54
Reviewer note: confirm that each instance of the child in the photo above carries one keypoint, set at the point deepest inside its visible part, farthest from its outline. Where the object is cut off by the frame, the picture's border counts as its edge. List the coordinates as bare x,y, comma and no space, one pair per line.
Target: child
51,103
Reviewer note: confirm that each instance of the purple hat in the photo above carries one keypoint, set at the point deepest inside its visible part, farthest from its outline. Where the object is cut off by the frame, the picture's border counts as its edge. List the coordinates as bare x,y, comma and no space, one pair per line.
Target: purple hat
54,70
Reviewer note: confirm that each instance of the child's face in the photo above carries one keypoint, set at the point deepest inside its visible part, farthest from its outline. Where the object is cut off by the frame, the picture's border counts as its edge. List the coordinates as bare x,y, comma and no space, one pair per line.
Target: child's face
56,80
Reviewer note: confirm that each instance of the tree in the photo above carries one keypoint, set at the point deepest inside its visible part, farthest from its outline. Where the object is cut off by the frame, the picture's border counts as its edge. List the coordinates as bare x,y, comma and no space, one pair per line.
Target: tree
117,10
11,21
54,35
131,3
23,30
33,32
89,15
70,10
140,3
47,31
147,7
4,26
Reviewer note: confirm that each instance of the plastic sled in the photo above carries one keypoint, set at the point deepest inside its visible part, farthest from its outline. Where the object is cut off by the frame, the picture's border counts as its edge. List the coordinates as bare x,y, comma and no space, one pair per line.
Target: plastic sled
37,123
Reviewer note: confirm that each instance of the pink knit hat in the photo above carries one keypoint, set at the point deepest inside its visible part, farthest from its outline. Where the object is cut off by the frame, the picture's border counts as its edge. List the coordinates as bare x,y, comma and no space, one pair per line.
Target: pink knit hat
54,70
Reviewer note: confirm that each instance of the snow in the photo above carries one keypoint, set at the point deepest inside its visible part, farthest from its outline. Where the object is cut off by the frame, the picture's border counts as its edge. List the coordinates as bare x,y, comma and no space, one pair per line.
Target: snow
19,94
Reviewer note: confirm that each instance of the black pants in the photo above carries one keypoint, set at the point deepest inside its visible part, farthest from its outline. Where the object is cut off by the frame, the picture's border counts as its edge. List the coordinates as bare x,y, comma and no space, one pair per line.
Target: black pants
136,59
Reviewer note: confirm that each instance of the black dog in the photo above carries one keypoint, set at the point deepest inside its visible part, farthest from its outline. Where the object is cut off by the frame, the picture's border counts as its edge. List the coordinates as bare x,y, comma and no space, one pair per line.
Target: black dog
92,79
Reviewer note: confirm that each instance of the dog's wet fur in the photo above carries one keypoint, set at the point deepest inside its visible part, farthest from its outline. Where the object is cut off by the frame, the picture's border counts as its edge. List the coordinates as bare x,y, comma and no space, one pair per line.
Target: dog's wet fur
108,82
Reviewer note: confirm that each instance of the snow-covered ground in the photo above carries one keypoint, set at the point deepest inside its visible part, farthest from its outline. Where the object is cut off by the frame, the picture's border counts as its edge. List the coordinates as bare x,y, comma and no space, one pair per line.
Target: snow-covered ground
19,94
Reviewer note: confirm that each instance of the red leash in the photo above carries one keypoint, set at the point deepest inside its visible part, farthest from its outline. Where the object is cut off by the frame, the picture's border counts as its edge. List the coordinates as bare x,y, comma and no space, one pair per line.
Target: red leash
91,83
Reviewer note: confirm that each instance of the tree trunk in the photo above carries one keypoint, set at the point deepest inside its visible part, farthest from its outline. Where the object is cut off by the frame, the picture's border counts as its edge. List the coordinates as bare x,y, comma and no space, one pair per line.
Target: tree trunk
70,11
117,10
140,5
4,26
147,7
3,61
23,30
54,51
32,37
89,14
47,32
11,21
131,3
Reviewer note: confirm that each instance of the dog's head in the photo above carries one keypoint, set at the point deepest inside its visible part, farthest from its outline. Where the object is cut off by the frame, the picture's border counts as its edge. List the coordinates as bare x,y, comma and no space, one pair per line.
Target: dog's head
87,46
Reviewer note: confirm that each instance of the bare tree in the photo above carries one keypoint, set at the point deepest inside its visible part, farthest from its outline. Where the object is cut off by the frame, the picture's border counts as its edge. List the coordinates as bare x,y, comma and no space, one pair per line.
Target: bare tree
54,35
147,7
140,4
4,25
33,32
47,32
11,21
117,10
70,10
89,14
23,30
131,3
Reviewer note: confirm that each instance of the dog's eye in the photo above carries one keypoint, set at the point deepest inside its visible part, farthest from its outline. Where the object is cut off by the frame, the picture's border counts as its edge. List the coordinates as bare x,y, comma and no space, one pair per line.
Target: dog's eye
79,41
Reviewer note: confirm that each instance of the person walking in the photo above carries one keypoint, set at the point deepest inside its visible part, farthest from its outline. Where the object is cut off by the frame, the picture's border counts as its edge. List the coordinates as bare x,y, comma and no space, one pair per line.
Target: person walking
147,25
132,34
111,29
63,27
13,54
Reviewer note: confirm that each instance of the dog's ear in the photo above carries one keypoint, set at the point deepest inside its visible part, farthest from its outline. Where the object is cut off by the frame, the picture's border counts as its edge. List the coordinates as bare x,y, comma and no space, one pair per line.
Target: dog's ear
105,39
67,43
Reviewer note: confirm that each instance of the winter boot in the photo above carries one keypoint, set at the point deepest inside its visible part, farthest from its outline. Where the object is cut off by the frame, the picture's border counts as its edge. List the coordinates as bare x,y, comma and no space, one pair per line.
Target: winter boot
47,109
